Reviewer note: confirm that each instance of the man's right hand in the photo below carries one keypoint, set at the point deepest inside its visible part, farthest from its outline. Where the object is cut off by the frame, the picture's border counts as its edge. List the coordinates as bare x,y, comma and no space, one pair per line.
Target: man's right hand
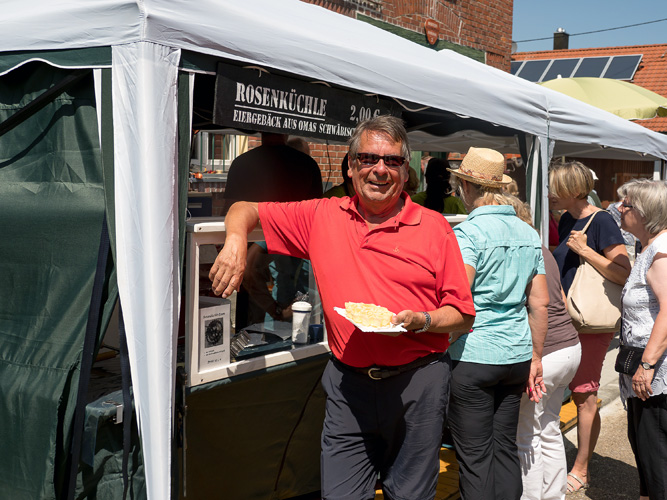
227,270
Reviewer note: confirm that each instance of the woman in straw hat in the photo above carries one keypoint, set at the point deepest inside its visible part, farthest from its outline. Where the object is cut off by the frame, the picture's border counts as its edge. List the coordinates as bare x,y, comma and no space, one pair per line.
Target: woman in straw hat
500,357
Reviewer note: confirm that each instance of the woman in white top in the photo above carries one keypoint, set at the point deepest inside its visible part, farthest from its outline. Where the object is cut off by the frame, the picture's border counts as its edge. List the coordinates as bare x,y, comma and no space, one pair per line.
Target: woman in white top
644,214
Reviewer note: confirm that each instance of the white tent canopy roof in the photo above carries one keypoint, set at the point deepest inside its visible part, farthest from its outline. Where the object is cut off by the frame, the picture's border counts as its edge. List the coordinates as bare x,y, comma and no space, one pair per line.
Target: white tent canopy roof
313,42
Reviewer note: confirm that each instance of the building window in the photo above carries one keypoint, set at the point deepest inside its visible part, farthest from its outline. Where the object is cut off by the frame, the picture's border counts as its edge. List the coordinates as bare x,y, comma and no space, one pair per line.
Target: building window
214,152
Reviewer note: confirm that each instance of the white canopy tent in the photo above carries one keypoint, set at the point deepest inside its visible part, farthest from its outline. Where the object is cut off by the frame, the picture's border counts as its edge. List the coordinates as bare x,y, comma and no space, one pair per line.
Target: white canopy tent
147,39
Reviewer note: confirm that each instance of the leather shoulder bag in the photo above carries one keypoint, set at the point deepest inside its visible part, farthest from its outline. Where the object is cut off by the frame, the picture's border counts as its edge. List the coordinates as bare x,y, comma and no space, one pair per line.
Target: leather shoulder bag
593,301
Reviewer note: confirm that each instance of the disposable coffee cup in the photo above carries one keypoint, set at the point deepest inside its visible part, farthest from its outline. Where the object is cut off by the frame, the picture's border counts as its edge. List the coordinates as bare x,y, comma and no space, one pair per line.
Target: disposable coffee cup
316,333
300,321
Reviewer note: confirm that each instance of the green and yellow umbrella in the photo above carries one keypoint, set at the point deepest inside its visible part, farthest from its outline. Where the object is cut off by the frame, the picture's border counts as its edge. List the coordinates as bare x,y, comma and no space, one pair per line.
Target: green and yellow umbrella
624,99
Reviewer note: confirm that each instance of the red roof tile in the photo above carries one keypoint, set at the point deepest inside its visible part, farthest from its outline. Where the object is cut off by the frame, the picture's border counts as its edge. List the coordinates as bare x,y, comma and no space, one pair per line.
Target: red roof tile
651,73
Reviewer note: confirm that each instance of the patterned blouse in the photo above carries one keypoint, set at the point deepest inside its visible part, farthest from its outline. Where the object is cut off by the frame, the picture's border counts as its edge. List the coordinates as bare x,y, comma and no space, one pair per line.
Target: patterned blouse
640,308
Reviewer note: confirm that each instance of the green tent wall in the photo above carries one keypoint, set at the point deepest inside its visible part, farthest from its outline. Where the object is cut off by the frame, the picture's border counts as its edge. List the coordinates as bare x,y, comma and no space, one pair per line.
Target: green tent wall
51,209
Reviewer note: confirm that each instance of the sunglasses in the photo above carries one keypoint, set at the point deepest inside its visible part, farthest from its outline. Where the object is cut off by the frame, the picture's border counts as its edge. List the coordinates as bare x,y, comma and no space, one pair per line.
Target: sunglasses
627,205
370,159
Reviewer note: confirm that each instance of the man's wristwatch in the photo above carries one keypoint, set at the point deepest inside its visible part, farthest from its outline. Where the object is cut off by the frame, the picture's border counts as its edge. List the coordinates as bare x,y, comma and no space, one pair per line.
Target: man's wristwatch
647,366
427,324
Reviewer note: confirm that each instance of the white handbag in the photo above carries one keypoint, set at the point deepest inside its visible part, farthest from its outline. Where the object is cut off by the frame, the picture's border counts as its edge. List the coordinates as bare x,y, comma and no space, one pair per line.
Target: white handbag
593,301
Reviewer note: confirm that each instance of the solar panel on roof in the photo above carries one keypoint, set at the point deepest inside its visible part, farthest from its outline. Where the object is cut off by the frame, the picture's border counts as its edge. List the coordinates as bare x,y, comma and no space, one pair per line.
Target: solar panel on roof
591,67
562,67
539,70
623,67
532,70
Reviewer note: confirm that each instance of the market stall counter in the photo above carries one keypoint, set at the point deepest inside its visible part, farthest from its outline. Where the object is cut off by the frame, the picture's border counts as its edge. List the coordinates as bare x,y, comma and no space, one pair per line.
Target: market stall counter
256,435
251,400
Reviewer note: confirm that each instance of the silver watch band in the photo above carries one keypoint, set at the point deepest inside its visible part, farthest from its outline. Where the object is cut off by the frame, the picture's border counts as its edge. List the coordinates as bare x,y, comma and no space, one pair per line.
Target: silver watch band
427,324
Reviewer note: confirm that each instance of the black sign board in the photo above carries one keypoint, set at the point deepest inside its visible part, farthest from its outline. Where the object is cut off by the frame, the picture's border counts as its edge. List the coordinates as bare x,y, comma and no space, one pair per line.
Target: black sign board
248,99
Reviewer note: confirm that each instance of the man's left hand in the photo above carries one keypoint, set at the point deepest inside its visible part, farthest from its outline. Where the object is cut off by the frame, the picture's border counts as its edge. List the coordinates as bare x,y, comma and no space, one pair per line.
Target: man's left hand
404,319
410,320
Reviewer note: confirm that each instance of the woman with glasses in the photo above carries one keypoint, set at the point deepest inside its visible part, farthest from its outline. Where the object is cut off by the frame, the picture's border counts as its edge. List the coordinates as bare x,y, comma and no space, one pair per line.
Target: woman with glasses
601,246
644,392
632,245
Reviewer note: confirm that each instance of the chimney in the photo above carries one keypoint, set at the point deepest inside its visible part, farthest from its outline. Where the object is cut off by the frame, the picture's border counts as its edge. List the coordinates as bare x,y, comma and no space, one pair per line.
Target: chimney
561,39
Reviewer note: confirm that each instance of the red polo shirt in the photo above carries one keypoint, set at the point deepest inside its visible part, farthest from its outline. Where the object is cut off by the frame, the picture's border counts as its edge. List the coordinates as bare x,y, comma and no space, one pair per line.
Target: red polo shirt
411,261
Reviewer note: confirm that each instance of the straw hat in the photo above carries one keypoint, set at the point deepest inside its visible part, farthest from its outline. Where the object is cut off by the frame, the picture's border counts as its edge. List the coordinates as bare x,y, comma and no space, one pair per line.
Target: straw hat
483,166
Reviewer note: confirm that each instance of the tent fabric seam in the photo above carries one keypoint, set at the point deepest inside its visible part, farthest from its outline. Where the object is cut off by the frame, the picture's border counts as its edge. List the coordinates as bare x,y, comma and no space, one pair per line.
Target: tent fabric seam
51,63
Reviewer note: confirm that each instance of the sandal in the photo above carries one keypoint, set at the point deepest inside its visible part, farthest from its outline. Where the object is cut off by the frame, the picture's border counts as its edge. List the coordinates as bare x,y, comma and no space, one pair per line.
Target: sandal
571,487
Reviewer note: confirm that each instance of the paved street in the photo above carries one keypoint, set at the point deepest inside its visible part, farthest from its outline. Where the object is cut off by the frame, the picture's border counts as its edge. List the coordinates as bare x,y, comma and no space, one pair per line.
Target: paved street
612,470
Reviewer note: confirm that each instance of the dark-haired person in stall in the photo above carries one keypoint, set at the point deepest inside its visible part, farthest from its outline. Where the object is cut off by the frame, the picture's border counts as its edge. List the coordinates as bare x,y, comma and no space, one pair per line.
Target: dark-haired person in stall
439,195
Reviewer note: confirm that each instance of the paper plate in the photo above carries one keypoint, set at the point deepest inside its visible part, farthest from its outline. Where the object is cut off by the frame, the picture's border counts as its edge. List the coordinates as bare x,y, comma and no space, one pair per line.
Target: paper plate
395,328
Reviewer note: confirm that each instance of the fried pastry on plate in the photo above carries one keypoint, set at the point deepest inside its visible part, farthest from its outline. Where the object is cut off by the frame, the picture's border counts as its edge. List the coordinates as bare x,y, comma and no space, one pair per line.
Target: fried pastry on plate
369,315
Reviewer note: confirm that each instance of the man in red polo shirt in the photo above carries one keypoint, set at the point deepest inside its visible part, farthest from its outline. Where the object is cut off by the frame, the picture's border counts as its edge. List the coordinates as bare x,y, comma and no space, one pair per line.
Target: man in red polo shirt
386,393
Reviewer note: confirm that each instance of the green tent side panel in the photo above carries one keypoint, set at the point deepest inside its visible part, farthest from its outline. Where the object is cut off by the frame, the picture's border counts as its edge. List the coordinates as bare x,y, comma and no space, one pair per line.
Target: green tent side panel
51,210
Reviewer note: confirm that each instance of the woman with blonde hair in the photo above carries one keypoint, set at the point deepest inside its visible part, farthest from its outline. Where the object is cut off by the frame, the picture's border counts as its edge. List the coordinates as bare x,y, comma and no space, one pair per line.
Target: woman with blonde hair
513,189
602,247
500,359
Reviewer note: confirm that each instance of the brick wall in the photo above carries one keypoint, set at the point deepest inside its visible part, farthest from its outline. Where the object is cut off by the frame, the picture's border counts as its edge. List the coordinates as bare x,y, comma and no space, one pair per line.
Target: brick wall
484,25
329,158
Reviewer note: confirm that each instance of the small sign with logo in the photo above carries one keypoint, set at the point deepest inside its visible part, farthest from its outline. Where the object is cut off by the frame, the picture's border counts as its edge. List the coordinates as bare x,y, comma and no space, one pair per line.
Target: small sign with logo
432,31
249,99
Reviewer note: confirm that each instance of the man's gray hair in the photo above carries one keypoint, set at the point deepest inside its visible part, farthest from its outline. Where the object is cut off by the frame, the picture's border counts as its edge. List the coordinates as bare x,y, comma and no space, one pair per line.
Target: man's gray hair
383,124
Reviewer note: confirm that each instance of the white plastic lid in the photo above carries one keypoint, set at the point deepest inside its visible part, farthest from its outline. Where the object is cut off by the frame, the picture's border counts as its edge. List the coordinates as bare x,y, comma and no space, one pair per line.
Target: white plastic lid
302,307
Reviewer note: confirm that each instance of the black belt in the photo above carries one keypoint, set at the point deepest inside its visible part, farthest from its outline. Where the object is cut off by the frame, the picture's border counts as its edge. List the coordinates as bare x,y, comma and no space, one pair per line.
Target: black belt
382,372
